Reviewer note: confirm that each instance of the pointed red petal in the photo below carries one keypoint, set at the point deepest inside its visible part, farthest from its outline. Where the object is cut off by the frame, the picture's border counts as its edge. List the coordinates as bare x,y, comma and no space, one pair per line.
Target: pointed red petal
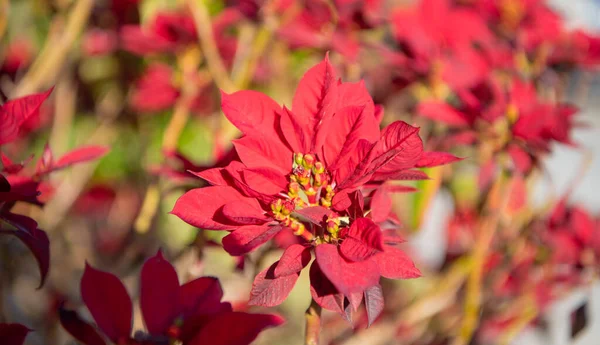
364,239
347,277
395,264
15,112
264,152
316,96
159,288
247,238
295,131
338,137
244,212
432,159
80,155
107,300
314,214
201,296
79,329
199,206
269,290
252,112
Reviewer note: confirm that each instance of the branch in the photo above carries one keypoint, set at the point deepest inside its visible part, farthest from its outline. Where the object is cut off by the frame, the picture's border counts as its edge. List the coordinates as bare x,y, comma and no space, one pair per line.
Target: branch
313,324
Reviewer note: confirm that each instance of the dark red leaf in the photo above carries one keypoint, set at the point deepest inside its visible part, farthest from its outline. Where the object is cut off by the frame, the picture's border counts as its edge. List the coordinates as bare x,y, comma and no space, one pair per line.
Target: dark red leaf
314,214
39,245
247,238
269,290
159,287
78,328
346,276
373,302
200,296
324,292
107,300
293,260
432,159
235,328
364,239
35,239
395,264
13,333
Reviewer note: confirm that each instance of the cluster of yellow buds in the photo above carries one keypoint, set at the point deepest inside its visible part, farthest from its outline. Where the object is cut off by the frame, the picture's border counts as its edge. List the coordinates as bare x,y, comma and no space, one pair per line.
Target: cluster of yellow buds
333,226
308,179
282,211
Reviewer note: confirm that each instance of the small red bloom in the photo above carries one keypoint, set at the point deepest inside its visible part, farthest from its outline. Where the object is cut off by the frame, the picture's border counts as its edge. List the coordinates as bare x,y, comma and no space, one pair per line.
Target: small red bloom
307,171
191,313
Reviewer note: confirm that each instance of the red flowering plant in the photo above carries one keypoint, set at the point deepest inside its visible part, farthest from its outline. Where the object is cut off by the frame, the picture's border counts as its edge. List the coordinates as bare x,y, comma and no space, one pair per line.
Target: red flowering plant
18,186
508,118
189,314
337,26
447,48
318,171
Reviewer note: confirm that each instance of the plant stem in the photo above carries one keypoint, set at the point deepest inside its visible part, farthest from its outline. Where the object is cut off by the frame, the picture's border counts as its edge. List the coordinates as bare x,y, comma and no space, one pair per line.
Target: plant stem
313,324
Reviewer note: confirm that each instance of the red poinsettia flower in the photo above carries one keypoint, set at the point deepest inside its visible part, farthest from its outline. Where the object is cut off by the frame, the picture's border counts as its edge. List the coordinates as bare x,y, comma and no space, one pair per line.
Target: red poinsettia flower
13,333
158,90
190,314
570,232
440,40
510,114
317,171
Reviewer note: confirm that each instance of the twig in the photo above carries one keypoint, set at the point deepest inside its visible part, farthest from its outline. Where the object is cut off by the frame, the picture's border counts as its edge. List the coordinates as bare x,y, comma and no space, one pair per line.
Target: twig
209,47
68,191
496,203
313,324
52,57
4,13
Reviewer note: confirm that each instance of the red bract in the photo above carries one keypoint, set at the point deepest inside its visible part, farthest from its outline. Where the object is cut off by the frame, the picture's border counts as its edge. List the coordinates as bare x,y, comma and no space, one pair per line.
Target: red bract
307,170
14,113
13,333
191,313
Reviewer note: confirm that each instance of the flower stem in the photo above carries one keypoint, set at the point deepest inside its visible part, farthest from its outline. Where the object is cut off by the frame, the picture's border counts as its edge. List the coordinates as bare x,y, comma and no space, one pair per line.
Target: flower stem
313,324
